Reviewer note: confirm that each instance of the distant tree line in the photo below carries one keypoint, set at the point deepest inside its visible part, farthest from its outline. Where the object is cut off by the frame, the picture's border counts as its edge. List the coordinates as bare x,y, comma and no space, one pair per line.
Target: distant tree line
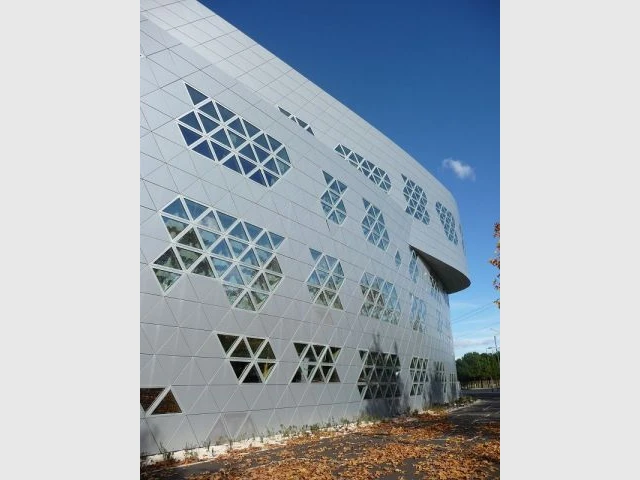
478,370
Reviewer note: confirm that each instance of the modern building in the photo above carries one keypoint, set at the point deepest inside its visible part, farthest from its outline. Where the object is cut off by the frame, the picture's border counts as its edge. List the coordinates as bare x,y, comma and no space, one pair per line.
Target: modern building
295,262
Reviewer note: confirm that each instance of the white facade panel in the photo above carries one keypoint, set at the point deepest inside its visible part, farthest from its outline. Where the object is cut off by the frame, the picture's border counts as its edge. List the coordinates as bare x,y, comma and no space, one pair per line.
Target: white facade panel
271,293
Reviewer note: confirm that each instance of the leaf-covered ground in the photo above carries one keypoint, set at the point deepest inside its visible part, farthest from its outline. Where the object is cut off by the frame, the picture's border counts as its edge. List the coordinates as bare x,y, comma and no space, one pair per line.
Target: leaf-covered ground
426,446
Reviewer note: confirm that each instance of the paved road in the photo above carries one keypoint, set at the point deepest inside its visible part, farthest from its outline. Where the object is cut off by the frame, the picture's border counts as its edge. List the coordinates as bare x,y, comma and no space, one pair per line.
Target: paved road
472,424
486,409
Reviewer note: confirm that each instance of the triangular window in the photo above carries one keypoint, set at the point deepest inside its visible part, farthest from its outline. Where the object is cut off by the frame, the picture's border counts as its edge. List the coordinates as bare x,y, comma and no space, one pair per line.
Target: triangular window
174,227
175,208
167,405
195,209
210,110
241,350
267,353
204,268
188,256
196,96
166,279
239,368
148,396
168,259
226,341
254,344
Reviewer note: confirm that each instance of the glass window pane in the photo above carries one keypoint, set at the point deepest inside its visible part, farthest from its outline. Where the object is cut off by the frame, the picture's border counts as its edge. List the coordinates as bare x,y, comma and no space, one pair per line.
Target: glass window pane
261,283
252,230
321,299
226,220
298,377
175,208
190,239
188,256
247,151
254,344
267,352
233,164
274,143
191,120
220,266
261,155
245,302
236,140
208,124
337,303
195,209
313,291
204,268
196,96
300,348
276,240
167,405
148,396
234,277
283,167
168,259
271,178
222,249
203,148
258,177
190,137
241,350
174,227
317,377
283,155
210,110
239,368
263,241
265,369
263,255
250,258
221,137
225,113
232,293
273,280
166,279
208,238
238,232
271,166
262,141
251,129
237,247
219,151
313,279
247,273
227,341
237,126
258,298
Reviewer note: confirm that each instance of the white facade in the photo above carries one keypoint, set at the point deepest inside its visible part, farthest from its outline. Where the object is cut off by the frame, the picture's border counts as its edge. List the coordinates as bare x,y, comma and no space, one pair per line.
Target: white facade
236,243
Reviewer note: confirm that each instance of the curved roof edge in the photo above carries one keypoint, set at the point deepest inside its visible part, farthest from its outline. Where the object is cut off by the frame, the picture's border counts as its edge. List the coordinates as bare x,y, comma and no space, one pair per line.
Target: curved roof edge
452,279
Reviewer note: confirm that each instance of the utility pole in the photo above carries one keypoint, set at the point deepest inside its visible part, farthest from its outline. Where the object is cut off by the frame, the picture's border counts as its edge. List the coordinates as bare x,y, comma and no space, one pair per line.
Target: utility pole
495,342
489,363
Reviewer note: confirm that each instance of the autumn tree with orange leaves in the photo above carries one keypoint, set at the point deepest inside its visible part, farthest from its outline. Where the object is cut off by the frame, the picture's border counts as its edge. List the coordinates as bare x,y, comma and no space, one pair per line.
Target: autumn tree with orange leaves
495,261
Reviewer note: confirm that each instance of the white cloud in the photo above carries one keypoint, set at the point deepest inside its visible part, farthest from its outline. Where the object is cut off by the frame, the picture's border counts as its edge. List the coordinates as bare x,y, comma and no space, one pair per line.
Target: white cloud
461,170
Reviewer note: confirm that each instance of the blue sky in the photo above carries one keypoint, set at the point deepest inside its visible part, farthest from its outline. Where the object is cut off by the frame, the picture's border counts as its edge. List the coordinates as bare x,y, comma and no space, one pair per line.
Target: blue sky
427,75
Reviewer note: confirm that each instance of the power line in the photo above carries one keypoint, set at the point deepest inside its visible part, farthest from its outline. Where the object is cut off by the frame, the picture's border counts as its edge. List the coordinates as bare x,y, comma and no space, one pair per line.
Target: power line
474,332
472,313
